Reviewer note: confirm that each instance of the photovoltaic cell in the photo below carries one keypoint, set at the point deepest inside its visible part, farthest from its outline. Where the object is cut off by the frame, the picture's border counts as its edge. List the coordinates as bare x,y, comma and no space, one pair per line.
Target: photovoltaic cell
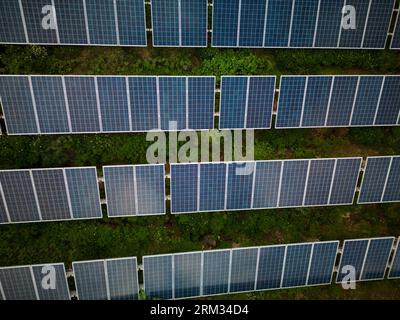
270,267
61,290
293,183
252,16
36,13
392,189
82,102
11,28
376,261
113,104
84,193
319,182
19,196
322,263
122,279
216,272
101,22
184,188
16,100
194,23
395,267
165,20
90,280
131,22
266,185
396,36
303,23
389,106
187,273
240,182
172,103
329,23
353,255
243,269
278,23
158,276
17,283
296,267
212,186
225,23
50,104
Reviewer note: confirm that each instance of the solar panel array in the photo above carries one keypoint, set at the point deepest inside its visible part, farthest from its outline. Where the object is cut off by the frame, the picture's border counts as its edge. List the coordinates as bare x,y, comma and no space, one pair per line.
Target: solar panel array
135,190
337,101
111,279
36,282
49,195
263,184
381,180
87,104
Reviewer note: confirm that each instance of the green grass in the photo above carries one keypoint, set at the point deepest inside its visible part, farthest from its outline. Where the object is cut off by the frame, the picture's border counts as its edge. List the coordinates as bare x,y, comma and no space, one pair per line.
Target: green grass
108,238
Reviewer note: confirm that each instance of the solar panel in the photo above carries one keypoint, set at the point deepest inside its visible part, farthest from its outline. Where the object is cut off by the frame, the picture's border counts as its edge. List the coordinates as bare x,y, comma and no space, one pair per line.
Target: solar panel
389,105
246,102
225,23
395,43
212,186
395,265
11,26
90,280
322,263
122,279
329,24
266,185
239,185
271,260
194,21
303,23
131,18
278,23
187,275
34,282
293,183
172,93
252,18
101,22
392,188
134,190
216,268
319,182
184,188
297,261
243,269
165,18
158,277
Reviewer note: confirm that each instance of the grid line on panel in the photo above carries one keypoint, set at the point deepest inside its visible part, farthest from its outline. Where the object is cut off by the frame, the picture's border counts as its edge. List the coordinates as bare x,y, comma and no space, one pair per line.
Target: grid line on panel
354,101
340,27
67,192
54,11
265,22
66,104
35,195
116,22
173,276
34,283
186,100
3,201
387,178
329,101
135,190
23,21
316,24
106,278
309,263
304,101
283,267
180,22
291,23
306,183
365,258
89,40
238,23
34,104
96,86
366,23
332,181
128,96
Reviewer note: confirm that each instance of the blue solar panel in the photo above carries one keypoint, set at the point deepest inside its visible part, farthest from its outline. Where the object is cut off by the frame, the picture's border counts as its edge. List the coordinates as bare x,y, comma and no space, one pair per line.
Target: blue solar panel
352,38
322,263
396,35
17,283
379,18
82,103
293,183
290,101
252,17
17,105
345,181
184,188
172,103
240,182
353,255
131,22
19,196
243,269
233,102
329,23
114,107
50,104
84,193
38,27
367,99
158,277
11,28
266,185
143,99
342,100
201,102
212,186
194,23
319,182
392,189
260,102
389,106
187,275
377,258
71,21
297,261
165,20
51,194
90,280
316,101
278,23
303,23
374,180
101,22
395,267
61,290
270,267
216,272
225,23
150,189
122,279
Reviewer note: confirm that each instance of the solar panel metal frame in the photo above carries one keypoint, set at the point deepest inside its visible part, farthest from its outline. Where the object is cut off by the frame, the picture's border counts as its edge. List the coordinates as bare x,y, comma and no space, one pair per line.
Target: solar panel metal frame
87,33
396,251
396,29
327,112
247,100
37,201
135,195
386,180
105,272
290,33
364,259
31,266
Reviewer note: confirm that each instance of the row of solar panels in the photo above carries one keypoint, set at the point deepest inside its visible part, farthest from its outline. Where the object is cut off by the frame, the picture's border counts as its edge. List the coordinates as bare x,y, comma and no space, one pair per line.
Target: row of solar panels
91,104
206,273
183,23
139,190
